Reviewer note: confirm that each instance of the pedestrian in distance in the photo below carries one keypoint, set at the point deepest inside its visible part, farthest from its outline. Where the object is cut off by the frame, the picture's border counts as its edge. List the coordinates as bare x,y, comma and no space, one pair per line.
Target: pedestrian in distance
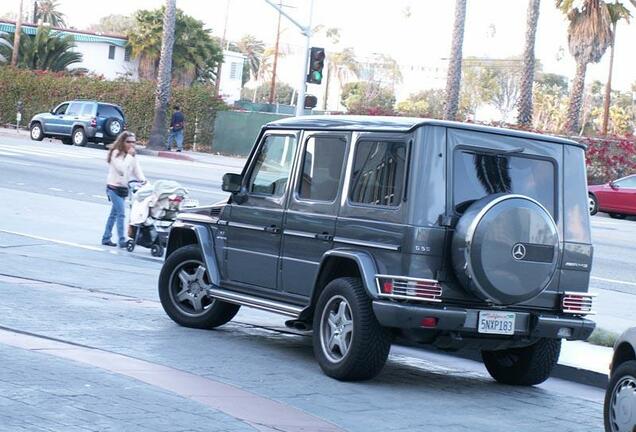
122,167
177,123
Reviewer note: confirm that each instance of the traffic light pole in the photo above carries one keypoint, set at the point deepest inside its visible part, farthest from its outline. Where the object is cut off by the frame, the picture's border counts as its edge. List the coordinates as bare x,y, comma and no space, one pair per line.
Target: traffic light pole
306,31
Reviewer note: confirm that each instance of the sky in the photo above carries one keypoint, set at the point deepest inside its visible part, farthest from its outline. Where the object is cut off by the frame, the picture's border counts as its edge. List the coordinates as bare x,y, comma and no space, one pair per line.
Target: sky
412,31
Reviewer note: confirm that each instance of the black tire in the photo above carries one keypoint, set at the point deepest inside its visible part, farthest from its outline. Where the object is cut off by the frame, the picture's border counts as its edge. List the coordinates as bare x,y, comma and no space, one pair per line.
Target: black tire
617,216
156,250
525,366
623,381
369,342
37,134
113,127
130,245
216,312
78,137
593,204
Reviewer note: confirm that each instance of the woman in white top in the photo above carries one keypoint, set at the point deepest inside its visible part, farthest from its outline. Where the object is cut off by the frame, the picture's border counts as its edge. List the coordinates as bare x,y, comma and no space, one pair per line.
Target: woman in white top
122,166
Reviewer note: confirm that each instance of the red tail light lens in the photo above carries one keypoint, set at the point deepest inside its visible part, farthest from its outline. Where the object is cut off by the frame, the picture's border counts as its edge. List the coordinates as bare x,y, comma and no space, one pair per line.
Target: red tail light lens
93,122
429,322
387,287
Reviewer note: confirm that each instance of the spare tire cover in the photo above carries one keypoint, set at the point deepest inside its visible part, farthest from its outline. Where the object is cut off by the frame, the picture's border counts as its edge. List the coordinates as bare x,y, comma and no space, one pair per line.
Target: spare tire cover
505,248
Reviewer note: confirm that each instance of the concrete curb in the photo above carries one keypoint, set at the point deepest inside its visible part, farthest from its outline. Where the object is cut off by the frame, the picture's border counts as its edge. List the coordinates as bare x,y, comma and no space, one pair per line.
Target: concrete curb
165,154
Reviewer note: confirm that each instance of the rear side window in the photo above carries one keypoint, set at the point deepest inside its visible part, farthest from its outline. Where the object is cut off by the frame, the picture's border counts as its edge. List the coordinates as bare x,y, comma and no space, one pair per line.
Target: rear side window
87,109
75,108
476,175
322,165
378,173
109,111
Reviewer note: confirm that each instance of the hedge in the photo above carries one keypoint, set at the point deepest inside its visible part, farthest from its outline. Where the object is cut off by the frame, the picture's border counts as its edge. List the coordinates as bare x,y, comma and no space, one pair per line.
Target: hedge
41,91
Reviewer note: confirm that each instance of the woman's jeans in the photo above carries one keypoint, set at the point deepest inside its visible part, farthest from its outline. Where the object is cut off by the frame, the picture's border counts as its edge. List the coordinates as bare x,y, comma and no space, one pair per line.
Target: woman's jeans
117,214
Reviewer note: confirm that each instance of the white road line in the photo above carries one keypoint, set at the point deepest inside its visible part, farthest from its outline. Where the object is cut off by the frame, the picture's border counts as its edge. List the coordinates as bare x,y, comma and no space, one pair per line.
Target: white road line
62,242
613,281
13,162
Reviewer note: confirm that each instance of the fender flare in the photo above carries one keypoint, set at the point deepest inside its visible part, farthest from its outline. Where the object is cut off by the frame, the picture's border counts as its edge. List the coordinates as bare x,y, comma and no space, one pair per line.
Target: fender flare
181,235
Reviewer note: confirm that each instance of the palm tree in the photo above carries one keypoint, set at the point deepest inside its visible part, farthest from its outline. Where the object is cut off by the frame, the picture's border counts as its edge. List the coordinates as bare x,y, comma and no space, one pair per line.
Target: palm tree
524,117
253,49
617,12
164,78
589,35
16,42
340,65
46,50
47,11
454,77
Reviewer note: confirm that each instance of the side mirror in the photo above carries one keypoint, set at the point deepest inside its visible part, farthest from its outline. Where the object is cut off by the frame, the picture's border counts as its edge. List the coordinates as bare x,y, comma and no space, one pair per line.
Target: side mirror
232,183
613,185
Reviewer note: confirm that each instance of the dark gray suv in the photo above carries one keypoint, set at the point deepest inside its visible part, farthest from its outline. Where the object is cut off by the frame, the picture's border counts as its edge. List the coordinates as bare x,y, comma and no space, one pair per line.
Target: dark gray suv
79,122
366,228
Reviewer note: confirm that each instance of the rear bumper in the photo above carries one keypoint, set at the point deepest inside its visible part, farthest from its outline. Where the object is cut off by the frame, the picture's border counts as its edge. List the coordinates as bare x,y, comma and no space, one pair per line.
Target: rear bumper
453,319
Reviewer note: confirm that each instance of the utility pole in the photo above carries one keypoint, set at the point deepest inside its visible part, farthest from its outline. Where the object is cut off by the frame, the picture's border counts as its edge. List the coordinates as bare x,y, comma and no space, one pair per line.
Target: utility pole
306,31
272,90
217,85
16,38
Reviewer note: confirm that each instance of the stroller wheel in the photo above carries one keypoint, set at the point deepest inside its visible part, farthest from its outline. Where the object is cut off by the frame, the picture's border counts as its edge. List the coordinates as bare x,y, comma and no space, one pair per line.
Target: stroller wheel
130,245
156,250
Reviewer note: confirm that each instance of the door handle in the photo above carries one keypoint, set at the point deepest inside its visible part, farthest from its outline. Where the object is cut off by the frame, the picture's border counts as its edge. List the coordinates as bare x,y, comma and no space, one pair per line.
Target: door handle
272,229
324,236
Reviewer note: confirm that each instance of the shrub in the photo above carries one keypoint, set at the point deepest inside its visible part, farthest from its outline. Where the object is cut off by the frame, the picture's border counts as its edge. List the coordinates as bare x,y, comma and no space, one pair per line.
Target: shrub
610,158
41,91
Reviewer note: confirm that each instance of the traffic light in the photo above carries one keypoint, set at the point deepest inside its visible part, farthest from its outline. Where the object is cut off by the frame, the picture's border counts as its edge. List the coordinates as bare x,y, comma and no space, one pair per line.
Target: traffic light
316,63
311,101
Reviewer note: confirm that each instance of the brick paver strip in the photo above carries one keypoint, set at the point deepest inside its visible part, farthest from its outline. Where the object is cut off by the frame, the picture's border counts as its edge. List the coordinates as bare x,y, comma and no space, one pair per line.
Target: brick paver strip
261,413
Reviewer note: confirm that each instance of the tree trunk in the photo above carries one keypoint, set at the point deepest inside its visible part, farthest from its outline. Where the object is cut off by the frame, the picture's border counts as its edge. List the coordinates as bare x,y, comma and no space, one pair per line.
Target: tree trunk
524,117
16,38
608,86
576,99
454,77
164,78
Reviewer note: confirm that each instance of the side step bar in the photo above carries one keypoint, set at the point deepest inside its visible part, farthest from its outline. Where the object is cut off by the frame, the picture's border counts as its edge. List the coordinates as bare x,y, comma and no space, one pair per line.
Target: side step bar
255,302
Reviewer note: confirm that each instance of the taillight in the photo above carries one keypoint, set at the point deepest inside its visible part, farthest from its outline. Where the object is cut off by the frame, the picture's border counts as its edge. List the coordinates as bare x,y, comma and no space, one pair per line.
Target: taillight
407,288
577,303
94,122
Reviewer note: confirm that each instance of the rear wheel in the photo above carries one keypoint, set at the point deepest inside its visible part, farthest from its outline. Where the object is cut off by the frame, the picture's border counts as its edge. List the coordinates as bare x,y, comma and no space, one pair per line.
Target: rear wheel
113,126
182,289
617,216
620,399
37,134
592,204
79,137
349,343
525,366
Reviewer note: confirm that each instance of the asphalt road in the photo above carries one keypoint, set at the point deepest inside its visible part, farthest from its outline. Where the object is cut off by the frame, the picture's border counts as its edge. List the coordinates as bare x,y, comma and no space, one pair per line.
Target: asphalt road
86,346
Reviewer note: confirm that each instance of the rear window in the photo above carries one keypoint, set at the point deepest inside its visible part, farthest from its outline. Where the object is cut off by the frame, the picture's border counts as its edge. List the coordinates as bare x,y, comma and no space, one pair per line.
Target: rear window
477,175
109,111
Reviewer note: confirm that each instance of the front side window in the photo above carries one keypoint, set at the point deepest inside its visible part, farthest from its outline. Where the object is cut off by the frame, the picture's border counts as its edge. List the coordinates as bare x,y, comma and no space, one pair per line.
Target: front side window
379,169
628,182
61,109
322,166
477,175
270,174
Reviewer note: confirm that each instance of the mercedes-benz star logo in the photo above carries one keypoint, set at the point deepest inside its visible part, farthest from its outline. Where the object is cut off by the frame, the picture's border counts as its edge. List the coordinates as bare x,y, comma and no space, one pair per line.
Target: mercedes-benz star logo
518,251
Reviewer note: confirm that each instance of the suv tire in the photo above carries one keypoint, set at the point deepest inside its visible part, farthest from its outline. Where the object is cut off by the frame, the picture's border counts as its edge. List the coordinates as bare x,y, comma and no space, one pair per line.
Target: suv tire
113,127
195,310
621,388
37,134
79,137
524,366
345,316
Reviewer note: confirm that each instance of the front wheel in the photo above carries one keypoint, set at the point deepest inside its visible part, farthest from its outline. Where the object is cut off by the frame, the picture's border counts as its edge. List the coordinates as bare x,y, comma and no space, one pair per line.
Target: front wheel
620,399
349,343
156,250
525,366
592,204
182,290
37,134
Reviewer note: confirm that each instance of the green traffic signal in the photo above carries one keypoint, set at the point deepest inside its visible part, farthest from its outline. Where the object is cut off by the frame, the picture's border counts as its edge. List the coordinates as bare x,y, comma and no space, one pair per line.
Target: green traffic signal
316,64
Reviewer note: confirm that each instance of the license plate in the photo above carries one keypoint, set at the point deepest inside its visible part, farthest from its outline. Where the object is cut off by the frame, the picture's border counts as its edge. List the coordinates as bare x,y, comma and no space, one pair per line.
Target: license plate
99,135
496,322
188,203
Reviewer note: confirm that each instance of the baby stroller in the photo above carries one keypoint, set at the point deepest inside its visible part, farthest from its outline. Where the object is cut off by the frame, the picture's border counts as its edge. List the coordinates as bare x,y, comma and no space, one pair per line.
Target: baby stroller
153,210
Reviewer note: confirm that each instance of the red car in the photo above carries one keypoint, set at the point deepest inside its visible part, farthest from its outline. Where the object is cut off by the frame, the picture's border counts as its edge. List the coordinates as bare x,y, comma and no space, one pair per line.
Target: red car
618,197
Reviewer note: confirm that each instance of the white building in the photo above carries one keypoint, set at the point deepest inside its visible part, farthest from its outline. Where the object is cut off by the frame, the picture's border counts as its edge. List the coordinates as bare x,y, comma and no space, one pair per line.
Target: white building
231,76
103,54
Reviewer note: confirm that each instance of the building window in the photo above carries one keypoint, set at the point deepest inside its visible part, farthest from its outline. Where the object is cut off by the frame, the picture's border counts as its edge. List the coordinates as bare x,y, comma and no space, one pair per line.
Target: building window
111,52
127,53
236,70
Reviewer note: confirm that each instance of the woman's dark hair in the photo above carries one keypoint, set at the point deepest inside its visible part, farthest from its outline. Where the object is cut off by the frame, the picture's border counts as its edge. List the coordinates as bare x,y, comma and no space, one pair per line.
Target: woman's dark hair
176,108
119,145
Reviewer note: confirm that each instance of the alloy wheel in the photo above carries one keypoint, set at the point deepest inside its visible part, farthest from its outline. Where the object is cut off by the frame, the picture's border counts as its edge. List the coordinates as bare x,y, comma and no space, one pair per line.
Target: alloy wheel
188,288
115,128
36,132
622,409
591,205
78,137
336,329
